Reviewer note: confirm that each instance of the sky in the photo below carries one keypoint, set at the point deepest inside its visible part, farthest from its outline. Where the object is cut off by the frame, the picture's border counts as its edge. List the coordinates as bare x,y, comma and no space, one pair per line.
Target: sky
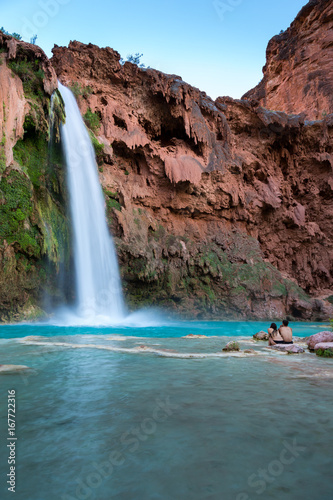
216,45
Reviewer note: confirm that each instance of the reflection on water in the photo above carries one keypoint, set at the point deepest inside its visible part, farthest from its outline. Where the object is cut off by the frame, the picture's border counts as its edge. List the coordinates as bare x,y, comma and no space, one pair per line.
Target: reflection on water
98,423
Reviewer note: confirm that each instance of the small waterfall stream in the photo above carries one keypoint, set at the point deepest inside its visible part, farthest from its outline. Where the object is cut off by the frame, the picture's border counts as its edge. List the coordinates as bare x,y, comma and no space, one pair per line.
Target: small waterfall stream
98,286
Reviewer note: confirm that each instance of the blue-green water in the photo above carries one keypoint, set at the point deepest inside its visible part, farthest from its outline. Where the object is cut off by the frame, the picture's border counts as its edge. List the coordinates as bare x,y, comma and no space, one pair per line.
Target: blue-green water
125,413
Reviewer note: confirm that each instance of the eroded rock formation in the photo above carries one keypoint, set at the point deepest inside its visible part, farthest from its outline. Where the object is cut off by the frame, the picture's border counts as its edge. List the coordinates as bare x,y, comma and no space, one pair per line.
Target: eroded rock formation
298,75
220,208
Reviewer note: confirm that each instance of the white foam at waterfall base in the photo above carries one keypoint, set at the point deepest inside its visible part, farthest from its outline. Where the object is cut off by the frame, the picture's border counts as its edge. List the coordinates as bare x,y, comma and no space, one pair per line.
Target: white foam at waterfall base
66,316
99,298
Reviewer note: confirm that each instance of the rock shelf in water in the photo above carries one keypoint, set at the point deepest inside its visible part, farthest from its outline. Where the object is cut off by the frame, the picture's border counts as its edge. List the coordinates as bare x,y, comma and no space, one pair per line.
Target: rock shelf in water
12,368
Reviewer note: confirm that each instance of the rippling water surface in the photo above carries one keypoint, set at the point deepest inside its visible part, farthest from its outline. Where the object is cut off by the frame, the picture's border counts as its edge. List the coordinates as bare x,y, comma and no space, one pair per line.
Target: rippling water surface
141,413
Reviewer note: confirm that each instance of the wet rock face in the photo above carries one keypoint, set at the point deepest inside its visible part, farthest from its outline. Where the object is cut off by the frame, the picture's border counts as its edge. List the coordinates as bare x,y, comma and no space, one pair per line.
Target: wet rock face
33,221
219,208
298,74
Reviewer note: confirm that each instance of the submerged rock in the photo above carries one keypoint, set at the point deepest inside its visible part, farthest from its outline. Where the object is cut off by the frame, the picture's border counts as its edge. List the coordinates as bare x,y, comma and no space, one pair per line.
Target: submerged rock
231,346
325,336
261,336
192,336
12,368
290,349
324,349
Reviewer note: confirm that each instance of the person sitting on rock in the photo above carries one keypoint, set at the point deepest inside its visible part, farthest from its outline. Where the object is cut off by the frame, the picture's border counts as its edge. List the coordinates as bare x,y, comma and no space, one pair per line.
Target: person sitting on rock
274,335
286,332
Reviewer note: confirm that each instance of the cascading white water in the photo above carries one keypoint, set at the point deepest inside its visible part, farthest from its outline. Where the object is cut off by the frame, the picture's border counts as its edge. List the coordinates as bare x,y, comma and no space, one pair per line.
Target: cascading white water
98,285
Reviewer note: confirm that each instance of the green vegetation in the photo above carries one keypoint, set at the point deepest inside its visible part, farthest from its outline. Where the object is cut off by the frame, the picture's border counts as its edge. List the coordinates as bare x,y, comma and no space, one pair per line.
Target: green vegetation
325,353
98,147
134,59
34,230
15,35
15,211
32,154
2,154
78,90
111,194
31,74
232,346
55,231
159,233
59,115
112,200
92,120
225,280
113,204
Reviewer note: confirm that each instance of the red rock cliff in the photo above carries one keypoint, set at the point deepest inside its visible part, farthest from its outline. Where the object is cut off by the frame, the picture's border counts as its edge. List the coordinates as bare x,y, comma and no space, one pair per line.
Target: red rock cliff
220,208
298,74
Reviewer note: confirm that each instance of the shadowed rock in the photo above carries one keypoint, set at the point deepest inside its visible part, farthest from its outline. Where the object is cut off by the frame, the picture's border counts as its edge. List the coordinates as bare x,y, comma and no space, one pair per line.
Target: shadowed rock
261,336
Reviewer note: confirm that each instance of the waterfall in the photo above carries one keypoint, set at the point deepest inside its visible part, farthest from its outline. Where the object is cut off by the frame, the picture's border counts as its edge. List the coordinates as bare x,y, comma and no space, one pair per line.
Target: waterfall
97,280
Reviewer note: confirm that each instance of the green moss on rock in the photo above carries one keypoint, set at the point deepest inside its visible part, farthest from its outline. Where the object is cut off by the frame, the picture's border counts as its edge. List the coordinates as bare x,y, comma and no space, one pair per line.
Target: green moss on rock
55,230
31,74
200,279
15,212
32,154
2,154
325,353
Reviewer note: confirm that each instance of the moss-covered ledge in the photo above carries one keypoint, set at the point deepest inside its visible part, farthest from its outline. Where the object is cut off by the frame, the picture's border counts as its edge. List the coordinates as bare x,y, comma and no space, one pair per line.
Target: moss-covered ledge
34,227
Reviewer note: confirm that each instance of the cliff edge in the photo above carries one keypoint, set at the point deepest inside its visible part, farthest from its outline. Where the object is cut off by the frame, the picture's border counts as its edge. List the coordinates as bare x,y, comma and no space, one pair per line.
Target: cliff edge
298,74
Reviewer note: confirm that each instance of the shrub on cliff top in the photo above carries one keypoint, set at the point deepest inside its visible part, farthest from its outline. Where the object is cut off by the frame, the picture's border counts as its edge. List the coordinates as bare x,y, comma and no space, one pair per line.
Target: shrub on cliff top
14,35
134,59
